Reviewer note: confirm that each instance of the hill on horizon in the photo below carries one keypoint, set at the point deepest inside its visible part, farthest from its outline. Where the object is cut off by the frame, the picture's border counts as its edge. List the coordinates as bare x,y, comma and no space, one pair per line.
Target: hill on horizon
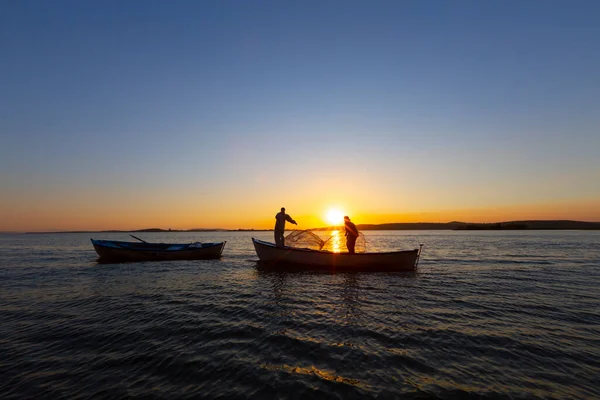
507,225
457,225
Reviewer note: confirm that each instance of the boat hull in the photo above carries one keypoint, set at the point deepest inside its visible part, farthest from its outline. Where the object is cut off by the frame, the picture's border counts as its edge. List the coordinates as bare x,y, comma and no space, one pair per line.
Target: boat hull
287,257
111,250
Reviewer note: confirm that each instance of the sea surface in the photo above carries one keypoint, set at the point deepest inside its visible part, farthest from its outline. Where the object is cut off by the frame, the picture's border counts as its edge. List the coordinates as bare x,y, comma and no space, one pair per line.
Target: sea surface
488,314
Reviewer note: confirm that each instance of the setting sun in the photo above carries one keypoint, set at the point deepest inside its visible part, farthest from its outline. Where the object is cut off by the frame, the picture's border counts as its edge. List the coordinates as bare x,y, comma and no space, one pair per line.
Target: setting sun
335,216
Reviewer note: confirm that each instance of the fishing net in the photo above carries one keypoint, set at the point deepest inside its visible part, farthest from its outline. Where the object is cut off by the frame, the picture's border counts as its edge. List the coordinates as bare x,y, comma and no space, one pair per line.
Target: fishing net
304,240
333,240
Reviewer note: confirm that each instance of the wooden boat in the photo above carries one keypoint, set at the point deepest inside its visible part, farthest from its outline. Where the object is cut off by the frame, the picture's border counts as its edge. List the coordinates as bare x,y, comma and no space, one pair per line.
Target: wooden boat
112,250
307,258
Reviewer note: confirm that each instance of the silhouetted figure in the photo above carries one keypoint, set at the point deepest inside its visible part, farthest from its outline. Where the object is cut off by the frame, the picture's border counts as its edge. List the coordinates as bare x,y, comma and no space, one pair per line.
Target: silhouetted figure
280,219
351,234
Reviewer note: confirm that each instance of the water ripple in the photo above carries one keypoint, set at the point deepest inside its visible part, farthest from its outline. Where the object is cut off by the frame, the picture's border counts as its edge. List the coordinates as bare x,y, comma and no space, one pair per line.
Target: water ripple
514,316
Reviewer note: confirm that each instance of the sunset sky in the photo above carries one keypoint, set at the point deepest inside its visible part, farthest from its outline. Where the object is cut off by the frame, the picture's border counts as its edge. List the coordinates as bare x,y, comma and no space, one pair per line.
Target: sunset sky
214,114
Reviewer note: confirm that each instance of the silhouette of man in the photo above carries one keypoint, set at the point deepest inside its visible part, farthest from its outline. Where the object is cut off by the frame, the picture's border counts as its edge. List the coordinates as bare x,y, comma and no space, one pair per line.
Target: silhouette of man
280,219
351,234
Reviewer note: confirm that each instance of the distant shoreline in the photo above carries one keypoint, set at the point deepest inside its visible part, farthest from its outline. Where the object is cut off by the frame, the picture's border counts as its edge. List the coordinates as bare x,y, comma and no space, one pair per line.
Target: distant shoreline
454,225
157,230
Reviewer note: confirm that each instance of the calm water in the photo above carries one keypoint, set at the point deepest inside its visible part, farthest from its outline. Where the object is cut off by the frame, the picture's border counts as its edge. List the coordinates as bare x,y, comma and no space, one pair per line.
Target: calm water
487,315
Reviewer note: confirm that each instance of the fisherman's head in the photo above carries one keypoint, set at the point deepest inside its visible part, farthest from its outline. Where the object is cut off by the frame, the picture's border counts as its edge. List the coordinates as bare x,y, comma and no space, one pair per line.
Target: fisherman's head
282,209
346,218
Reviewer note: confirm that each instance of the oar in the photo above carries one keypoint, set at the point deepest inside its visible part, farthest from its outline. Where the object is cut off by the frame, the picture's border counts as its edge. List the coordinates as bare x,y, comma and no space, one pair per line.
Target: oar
135,237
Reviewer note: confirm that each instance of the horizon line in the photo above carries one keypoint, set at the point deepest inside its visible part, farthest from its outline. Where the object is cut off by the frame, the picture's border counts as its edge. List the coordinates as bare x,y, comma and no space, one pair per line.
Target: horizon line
149,230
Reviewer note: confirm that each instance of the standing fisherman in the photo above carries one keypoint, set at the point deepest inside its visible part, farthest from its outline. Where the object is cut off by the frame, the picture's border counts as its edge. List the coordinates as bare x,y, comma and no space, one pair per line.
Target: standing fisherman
280,219
351,234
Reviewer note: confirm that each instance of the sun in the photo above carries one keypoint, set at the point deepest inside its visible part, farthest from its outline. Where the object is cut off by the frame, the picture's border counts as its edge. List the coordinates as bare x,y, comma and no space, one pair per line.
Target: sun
335,216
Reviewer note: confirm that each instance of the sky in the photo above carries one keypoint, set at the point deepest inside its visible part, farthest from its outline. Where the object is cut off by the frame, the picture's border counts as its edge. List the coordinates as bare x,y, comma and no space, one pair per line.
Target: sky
214,114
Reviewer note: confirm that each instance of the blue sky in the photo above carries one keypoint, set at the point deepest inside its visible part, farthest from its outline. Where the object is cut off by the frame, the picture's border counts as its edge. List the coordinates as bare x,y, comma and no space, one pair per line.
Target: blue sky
406,106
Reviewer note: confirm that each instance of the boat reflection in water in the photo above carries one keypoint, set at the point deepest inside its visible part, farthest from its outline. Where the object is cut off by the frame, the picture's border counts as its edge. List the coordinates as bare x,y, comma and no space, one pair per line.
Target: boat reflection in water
296,292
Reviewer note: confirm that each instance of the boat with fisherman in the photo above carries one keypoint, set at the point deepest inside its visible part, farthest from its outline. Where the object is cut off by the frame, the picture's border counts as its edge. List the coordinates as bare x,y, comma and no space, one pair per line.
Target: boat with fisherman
305,249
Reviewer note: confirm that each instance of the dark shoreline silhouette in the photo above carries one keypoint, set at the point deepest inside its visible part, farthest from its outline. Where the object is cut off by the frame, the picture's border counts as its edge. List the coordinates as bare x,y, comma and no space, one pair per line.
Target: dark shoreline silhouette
454,225
508,225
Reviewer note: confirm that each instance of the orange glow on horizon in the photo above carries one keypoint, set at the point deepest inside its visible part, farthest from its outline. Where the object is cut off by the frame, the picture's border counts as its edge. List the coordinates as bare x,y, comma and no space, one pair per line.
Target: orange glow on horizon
22,217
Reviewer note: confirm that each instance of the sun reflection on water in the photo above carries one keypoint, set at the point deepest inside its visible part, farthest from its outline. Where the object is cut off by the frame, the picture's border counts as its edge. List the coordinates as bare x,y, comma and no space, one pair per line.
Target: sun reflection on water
336,241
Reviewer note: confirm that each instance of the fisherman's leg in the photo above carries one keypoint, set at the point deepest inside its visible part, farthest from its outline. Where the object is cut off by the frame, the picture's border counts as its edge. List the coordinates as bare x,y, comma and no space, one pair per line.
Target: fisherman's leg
351,244
279,238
